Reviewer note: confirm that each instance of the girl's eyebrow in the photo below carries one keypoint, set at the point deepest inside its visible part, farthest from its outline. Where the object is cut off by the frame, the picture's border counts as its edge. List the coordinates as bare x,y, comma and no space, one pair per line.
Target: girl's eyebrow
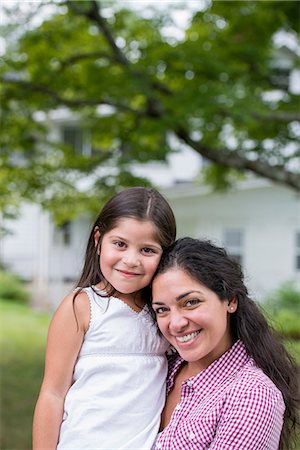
154,244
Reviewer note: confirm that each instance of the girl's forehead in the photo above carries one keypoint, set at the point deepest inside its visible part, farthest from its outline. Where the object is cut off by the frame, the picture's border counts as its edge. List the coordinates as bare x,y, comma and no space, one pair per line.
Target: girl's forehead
132,226
136,221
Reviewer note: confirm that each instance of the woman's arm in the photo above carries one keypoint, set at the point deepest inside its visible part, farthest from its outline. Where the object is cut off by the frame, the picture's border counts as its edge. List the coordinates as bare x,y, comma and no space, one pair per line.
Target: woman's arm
64,341
252,422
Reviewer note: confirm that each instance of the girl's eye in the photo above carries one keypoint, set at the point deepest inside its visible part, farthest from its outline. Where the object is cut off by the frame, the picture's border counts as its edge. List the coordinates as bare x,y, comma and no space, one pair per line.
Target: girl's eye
147,250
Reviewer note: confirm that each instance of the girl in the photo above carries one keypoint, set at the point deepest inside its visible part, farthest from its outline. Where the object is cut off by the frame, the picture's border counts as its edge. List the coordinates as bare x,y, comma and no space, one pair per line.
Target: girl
104,382
233,386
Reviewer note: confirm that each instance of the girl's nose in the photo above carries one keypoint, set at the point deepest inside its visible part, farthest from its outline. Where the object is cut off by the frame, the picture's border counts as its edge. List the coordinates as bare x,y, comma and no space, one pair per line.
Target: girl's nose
131,258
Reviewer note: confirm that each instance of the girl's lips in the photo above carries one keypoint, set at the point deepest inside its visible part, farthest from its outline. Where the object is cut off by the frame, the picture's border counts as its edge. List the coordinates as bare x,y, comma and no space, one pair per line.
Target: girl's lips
126,273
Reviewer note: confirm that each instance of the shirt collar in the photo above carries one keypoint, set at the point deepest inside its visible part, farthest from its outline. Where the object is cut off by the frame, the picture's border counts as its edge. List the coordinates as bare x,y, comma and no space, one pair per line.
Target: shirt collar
206,381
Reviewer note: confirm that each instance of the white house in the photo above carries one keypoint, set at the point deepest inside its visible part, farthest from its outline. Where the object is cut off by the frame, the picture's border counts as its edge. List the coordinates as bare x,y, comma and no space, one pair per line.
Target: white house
258,222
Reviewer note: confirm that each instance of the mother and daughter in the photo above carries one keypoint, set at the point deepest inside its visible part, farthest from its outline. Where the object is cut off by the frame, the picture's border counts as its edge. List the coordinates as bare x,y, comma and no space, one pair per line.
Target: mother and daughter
230,383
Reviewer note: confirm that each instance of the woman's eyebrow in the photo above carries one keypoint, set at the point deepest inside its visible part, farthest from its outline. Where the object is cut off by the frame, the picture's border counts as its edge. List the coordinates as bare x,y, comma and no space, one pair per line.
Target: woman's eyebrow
180,297
185,294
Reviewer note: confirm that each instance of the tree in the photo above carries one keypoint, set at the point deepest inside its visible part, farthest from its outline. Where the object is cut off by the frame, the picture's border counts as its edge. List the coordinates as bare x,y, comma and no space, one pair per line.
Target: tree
218,89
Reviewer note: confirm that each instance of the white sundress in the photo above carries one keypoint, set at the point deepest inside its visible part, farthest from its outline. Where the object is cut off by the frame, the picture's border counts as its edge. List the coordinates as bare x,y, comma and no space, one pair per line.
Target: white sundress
118,389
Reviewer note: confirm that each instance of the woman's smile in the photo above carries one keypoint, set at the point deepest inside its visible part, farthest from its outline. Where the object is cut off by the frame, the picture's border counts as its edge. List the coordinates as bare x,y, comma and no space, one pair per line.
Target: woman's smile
187,338
191,317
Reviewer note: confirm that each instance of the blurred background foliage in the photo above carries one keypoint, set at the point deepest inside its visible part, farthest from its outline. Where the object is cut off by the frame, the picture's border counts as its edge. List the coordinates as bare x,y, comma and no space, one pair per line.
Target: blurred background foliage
282,308
12,288
133,77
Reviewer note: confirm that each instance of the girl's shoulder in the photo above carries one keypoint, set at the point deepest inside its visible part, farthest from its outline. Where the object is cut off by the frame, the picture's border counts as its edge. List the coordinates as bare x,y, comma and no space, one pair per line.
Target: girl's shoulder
76,305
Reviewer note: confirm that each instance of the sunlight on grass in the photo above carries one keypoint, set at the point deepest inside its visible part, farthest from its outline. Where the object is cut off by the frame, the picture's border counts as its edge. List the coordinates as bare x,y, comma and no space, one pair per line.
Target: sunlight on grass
22,343
22,346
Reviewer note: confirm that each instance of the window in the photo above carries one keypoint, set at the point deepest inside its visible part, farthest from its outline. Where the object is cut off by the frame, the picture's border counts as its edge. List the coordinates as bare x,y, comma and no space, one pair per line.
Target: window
63,235
298,250
233,240
66,233
77,139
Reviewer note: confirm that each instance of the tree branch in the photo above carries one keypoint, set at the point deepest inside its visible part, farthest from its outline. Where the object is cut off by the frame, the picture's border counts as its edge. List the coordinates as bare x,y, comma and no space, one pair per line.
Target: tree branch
94,15
71,102
281,116
80,56
232,159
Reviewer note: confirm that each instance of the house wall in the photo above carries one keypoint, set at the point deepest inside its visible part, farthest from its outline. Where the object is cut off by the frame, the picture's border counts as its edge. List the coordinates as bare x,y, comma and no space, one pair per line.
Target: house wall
35,249
269,217
19,248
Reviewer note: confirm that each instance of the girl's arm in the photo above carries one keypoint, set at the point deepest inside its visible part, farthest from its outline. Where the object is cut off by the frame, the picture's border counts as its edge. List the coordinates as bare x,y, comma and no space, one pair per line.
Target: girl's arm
64,341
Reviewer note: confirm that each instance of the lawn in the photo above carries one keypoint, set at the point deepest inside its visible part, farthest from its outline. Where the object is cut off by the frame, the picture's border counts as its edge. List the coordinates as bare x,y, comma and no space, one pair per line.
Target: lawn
22,347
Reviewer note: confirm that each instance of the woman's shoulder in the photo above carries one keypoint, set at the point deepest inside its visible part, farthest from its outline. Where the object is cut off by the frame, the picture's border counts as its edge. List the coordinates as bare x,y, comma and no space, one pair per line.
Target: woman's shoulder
251,380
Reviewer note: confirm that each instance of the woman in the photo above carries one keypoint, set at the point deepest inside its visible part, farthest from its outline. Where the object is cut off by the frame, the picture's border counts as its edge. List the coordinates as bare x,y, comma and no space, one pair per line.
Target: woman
233,385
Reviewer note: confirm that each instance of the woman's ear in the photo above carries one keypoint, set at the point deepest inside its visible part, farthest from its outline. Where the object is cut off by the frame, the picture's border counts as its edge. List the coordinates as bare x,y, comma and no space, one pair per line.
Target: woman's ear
232,305
97,239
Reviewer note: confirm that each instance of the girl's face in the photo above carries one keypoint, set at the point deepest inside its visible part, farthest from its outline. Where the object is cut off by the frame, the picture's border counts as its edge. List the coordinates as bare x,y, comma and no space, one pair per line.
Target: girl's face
192,317
129,254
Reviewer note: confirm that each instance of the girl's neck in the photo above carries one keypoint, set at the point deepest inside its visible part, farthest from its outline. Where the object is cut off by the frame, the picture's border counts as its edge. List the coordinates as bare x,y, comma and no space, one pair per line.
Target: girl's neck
133,300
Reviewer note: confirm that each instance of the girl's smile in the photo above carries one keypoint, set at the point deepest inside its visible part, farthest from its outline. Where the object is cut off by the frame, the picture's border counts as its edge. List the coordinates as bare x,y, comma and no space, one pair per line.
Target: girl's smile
128,274
129,255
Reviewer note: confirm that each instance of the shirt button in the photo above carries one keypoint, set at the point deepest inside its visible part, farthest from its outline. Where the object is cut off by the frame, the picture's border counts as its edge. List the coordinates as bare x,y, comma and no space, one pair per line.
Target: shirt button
192,435
177,407
189,383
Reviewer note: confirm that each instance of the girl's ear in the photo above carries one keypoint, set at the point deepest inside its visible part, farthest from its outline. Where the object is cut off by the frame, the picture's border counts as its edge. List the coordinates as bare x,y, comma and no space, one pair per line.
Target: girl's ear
97,238
232,305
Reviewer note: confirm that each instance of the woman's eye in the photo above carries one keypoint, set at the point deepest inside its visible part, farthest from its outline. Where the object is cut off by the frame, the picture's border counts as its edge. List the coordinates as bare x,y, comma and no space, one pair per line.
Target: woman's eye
192,302
160,310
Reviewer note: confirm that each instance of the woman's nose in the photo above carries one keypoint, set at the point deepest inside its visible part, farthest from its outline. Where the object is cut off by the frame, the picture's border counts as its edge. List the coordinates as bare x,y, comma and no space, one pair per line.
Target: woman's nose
178,322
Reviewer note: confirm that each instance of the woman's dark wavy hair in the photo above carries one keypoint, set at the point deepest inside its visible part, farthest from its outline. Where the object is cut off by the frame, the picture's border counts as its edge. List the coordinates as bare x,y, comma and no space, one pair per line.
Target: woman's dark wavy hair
211,266
139,203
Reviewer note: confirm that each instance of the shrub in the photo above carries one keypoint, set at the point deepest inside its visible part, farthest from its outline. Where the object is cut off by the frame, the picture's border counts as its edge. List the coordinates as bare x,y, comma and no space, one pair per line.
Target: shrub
282,309
11,287
287,296
287,323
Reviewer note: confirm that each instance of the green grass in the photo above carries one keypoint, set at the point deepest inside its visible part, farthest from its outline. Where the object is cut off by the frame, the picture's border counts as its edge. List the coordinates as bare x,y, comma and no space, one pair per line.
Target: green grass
22,349
22,346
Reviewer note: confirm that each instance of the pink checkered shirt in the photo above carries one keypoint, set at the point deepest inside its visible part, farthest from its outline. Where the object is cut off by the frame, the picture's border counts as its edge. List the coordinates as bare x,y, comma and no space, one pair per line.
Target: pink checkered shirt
232,405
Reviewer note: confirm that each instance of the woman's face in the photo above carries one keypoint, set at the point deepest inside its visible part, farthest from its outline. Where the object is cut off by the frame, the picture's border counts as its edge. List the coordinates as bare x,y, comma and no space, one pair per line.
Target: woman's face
192,317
